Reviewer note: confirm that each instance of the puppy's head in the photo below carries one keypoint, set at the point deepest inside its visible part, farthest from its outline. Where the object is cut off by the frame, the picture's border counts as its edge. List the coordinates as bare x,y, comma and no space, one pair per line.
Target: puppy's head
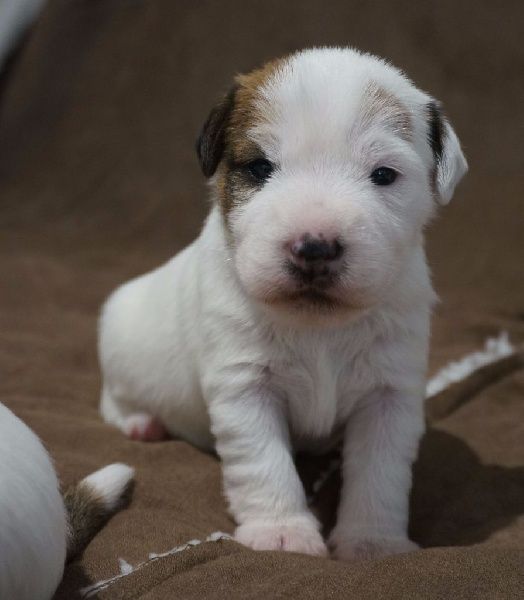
326,166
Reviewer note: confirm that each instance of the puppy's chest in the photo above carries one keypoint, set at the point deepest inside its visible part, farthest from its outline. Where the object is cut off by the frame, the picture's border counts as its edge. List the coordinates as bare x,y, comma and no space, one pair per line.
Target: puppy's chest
320,384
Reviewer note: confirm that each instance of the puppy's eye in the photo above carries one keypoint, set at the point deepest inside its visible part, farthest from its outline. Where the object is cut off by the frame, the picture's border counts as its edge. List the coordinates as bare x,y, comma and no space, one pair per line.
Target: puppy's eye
383,176
260,169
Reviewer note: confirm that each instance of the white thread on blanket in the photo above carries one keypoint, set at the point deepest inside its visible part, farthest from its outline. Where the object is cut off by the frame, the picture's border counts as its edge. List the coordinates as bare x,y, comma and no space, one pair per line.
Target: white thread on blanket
494,349
126,569
318,484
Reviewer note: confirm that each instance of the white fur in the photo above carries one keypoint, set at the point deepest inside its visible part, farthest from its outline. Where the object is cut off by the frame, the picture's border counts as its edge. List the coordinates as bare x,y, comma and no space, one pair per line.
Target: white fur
15,18
33,522
109,483
211,345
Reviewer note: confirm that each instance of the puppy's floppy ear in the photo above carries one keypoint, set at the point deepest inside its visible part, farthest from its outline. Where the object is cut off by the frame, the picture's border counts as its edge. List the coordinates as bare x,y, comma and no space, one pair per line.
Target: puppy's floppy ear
212,139
450,163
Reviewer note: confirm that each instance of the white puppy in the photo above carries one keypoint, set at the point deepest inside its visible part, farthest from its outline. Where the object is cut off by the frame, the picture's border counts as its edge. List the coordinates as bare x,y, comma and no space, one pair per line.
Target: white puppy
300,315
39,529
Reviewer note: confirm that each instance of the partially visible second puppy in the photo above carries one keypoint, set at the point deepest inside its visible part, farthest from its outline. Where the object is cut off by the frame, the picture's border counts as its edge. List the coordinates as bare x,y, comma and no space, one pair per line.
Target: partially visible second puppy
301,315
15,18
39,529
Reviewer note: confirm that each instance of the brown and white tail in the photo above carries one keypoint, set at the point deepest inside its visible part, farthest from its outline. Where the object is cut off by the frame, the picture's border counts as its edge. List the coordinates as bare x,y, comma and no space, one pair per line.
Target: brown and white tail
91,503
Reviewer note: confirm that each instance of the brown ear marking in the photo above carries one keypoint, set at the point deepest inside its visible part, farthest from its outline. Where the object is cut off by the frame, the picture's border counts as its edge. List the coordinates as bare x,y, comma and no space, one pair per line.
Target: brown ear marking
436,130
212,139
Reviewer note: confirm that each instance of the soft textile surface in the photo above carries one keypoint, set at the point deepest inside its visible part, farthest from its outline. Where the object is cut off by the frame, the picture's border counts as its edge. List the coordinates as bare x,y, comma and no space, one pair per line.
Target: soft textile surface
99,182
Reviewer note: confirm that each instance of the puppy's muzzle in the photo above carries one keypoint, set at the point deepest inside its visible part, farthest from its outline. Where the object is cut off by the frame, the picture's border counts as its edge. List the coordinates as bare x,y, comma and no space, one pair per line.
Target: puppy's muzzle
314,261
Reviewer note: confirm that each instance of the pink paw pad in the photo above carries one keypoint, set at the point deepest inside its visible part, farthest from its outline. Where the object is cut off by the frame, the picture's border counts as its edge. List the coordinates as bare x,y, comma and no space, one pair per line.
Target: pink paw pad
145,428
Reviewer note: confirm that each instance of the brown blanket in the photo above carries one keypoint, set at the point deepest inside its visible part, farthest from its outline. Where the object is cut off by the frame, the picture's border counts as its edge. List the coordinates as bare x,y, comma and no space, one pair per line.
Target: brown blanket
98,182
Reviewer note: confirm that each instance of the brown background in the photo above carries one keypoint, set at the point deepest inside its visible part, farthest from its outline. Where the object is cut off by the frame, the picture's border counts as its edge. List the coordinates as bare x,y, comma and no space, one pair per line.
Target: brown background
99,181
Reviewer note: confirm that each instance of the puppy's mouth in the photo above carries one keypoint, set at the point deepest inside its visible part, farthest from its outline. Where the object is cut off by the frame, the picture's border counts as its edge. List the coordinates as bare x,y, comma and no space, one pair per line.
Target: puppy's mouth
305,300
311,288
318,289
317,276
312,296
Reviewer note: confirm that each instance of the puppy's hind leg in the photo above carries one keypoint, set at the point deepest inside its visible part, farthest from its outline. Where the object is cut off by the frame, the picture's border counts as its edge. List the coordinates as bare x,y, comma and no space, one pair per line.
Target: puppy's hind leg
136,425
145,428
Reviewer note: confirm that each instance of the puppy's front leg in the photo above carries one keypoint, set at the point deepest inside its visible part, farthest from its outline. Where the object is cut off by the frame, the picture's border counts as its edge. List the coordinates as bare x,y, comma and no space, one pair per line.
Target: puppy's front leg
265,494
380,444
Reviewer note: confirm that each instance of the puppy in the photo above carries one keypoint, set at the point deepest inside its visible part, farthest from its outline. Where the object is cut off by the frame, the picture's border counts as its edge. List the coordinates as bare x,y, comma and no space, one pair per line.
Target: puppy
301,314
39,529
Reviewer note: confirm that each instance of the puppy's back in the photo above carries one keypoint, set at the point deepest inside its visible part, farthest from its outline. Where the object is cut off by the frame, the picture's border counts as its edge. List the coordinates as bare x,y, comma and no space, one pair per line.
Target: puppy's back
33,521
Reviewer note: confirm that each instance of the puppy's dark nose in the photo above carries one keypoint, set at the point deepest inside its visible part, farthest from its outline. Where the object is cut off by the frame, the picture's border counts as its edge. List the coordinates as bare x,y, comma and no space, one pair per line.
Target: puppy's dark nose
316,249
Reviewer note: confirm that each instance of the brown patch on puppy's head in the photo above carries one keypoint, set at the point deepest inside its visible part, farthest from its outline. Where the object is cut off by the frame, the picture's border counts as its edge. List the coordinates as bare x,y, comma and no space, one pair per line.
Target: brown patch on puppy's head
224,147
248,111
382,105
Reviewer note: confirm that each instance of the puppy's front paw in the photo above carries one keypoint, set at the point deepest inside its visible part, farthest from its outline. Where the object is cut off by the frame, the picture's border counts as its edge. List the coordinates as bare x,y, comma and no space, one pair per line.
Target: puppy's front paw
290,536
369,547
